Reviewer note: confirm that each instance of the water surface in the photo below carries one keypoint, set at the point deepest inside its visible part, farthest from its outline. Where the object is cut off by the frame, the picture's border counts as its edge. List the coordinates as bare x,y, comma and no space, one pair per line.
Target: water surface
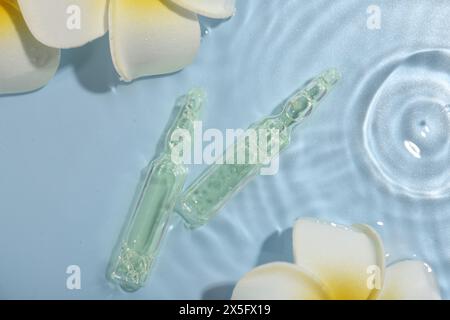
376,152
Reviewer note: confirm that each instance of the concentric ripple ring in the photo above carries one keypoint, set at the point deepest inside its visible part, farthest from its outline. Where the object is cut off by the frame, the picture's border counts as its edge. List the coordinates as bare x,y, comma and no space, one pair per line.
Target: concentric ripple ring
407,126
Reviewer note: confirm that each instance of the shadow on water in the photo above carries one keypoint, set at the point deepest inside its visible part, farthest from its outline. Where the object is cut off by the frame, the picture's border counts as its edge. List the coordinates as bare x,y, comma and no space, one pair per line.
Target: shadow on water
208,24
92,65
94,68
276,248
219,292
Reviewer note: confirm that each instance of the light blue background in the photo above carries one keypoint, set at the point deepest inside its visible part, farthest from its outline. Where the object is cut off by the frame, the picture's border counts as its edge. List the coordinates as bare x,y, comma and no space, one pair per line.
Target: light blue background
71,153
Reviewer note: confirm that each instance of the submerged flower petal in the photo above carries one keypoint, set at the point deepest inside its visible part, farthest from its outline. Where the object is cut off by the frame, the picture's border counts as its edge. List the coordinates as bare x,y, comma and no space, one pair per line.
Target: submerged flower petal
25,64
151,37
348,260
65,23
218,9
279,281
410,280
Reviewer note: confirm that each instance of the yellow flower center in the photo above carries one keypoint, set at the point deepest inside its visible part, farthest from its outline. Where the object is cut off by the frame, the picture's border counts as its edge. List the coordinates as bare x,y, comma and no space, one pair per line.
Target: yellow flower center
9,15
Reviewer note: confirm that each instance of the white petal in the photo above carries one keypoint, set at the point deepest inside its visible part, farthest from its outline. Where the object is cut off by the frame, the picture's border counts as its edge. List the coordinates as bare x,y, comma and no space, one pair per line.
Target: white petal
151,37
65,23
410,280
218,9
25,63
278,281
348,260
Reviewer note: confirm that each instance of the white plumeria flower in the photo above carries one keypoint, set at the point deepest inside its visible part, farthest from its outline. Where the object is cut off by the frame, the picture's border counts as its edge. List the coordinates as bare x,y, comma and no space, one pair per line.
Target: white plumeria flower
337,262
147,37
25,63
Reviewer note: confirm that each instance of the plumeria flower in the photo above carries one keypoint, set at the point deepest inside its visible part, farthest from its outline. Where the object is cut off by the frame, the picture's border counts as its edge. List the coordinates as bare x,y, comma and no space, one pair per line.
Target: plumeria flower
147,37
337,262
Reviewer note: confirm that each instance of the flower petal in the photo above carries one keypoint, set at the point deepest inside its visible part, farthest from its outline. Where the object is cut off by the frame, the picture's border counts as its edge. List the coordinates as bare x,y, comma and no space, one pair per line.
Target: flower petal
65,23
410,280
151,37
25,63
348,260
278,281
218,9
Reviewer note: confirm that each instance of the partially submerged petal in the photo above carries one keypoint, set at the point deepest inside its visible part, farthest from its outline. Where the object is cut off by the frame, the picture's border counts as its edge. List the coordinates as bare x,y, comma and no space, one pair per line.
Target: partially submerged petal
348,260
218,9
410,280
279,281
25,63
151,37
65,23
